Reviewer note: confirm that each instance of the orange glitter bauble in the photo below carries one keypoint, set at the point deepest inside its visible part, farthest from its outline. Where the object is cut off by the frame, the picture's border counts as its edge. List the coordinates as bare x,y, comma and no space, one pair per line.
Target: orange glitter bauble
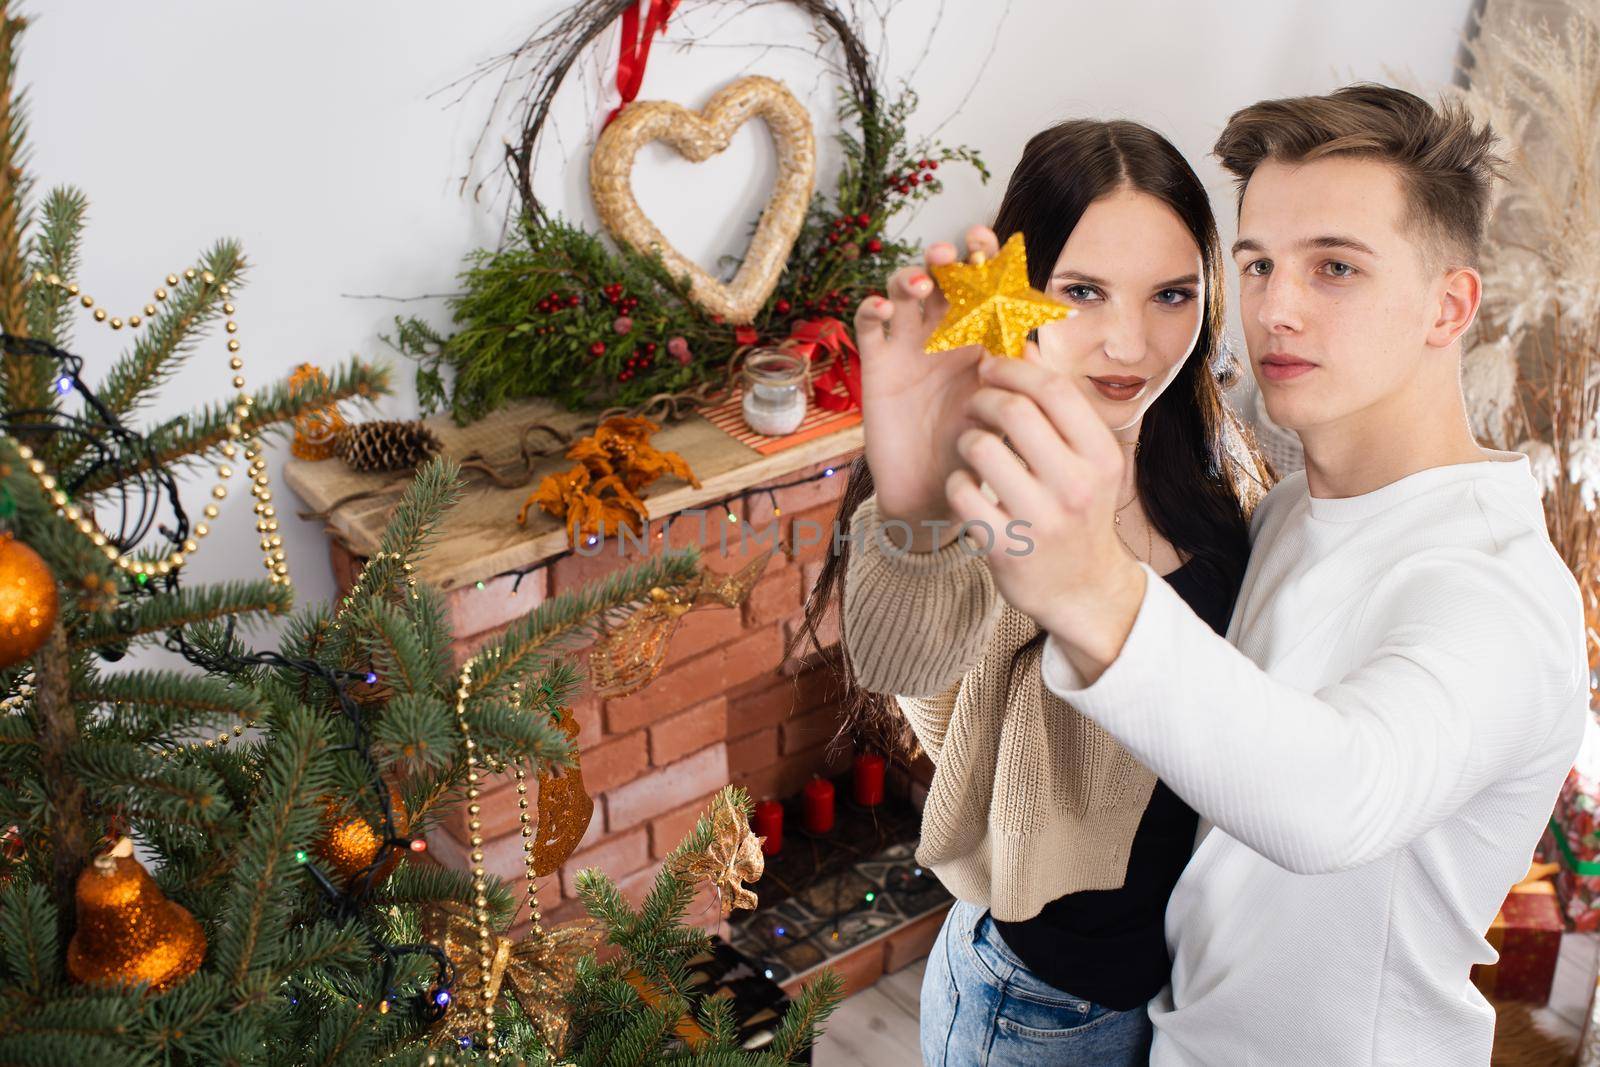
315,429
128,931
28,601
349,844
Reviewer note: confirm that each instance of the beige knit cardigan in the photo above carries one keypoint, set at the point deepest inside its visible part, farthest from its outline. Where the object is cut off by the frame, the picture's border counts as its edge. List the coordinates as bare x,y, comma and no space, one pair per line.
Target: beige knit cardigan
1030,799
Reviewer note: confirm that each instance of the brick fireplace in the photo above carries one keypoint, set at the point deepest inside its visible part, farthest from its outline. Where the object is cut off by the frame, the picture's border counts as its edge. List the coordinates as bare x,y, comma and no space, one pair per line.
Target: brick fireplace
725,707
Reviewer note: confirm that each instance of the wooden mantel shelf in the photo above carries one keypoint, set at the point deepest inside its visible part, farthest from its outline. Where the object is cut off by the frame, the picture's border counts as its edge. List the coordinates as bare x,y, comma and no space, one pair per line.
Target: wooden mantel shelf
480,537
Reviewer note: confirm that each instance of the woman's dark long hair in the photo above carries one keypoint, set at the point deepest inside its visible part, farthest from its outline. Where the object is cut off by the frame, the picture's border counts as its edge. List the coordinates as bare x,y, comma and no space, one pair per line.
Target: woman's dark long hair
1198,473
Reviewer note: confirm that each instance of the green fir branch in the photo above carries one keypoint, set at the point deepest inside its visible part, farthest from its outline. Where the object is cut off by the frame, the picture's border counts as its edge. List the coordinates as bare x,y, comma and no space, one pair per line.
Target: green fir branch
54,250
28,944
71,1029
187,606
24,381
571,617
415,522
170,336
191,439
803,1021
286,816
146,706
146,786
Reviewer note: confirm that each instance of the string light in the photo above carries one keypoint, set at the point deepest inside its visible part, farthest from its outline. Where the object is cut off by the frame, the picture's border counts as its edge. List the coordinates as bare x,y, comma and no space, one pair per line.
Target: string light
238,439
371,677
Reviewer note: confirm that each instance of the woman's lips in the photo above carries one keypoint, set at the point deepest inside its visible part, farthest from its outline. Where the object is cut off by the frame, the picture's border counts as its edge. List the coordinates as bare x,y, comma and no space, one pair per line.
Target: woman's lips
1120,388
1283,368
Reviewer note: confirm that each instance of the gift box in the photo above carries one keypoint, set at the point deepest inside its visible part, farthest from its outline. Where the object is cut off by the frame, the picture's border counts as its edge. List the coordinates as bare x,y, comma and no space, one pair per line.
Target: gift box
1573,839
1527,932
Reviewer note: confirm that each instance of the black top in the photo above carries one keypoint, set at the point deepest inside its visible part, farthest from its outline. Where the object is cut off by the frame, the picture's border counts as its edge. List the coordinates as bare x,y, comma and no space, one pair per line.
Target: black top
1109,946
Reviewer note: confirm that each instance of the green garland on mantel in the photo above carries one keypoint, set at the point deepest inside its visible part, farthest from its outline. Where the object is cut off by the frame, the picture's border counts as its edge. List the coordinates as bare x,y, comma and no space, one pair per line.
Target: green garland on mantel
561,313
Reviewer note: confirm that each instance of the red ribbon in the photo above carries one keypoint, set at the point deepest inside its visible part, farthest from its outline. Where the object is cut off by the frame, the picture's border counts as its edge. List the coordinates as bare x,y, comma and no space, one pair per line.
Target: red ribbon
812,336
635,49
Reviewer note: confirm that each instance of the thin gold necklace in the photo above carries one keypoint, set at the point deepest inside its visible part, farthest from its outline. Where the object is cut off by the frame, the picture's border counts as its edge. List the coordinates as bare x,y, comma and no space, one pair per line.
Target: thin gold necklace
1149,543
1116,517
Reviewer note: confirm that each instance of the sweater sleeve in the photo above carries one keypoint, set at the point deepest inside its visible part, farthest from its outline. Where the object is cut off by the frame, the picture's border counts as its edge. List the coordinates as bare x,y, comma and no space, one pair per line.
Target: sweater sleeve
1471,673
914,622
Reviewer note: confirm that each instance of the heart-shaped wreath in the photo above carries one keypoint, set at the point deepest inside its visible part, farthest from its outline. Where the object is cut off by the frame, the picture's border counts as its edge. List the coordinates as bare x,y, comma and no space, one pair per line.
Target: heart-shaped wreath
558,312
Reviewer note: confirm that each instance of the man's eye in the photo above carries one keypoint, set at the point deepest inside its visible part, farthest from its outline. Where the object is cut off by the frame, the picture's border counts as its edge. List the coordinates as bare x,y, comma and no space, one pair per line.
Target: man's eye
1340,270
1260,268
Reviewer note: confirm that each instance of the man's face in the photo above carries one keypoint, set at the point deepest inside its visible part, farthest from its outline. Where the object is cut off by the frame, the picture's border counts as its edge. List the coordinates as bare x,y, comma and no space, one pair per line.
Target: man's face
1336,300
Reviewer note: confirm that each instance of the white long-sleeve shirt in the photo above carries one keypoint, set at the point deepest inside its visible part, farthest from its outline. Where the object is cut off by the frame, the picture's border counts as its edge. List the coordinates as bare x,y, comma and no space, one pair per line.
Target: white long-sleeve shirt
1373,750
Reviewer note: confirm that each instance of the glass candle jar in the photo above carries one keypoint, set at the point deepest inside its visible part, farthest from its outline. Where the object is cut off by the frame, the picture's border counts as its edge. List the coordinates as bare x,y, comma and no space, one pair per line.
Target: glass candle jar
774,385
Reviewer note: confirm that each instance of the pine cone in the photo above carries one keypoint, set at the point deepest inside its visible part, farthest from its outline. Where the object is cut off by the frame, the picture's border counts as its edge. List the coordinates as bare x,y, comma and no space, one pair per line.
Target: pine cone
386,445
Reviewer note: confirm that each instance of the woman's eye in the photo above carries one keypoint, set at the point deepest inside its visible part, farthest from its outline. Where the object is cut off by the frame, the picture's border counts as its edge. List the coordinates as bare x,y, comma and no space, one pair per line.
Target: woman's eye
1081,293
1340,270
1175,297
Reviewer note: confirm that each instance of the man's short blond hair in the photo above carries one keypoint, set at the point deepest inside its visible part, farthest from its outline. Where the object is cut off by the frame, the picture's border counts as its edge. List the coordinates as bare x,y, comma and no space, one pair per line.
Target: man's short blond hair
1447,162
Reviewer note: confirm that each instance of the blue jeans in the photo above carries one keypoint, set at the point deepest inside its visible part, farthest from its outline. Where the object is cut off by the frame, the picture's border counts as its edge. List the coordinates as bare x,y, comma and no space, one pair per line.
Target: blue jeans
982,1007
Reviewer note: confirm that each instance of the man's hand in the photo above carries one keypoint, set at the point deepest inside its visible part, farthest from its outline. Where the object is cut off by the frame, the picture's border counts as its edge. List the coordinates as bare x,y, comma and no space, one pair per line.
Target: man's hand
1076,580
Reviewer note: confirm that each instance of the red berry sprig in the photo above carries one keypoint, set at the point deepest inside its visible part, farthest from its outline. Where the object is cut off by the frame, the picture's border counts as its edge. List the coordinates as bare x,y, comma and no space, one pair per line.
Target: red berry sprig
917,171
618,298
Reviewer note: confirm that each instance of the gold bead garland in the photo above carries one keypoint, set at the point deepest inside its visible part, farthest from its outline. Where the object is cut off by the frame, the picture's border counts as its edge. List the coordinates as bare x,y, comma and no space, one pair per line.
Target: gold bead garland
475,762
13,703
355,590
238,439
479,878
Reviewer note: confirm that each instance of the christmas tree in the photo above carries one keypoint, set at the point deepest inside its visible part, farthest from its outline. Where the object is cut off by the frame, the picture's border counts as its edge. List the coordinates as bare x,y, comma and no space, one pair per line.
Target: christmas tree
222,863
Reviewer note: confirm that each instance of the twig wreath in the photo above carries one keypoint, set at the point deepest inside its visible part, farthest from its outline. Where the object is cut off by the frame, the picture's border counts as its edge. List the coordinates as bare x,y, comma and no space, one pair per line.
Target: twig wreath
558,312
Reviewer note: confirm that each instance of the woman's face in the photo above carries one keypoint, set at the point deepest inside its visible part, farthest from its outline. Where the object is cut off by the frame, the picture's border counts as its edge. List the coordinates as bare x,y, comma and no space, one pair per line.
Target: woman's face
1133,272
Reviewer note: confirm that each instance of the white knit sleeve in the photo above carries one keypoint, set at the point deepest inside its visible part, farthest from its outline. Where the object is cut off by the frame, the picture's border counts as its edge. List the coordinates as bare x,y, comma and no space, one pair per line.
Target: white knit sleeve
1471,673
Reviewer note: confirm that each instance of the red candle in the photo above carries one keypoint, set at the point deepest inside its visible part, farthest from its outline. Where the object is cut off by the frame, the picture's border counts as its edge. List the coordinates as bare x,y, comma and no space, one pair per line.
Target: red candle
769,824
818,797
869,779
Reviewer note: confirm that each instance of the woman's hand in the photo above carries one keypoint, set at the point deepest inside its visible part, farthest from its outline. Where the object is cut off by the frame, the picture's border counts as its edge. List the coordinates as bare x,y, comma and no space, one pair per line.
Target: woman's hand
913,404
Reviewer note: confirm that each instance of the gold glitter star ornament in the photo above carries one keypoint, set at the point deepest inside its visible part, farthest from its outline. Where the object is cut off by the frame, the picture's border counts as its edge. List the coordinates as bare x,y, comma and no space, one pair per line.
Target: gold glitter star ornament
991,302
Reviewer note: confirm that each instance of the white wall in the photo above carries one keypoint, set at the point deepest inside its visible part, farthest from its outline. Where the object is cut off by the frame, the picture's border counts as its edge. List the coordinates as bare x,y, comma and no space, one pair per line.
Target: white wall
320,136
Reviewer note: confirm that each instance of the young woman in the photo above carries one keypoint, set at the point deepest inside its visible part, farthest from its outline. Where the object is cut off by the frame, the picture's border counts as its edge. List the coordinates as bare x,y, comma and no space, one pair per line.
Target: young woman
1060,848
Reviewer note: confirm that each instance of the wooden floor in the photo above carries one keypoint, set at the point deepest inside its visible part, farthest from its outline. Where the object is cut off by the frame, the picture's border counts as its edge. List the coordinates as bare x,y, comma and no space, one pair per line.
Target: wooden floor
878,1026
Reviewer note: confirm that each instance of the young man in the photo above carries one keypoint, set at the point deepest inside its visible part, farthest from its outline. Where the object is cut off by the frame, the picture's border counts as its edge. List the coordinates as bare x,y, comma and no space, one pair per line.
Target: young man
1376,746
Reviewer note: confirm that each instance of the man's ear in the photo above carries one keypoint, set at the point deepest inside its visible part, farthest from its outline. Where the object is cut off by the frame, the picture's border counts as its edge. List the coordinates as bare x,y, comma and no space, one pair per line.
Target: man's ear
1459,296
